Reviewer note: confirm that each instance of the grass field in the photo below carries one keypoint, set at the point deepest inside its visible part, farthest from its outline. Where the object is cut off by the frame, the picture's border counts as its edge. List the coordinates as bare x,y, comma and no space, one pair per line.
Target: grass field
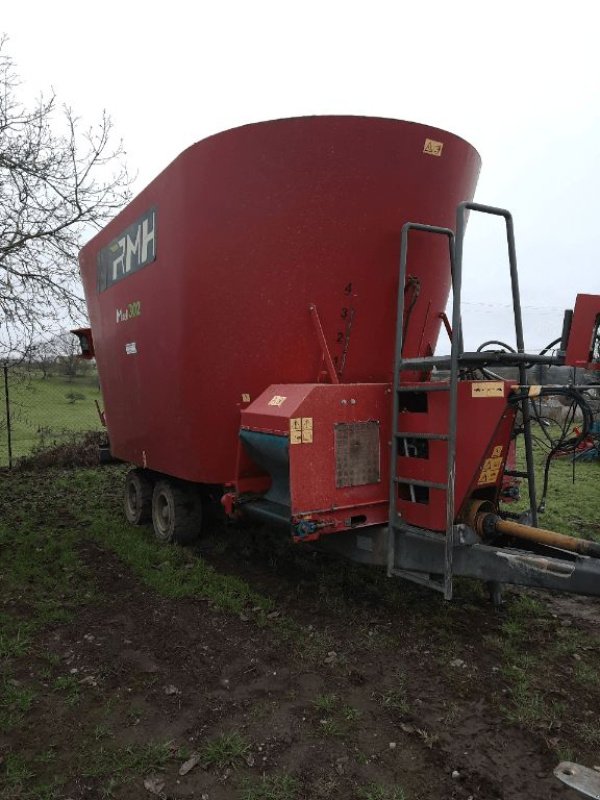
47,411
573,498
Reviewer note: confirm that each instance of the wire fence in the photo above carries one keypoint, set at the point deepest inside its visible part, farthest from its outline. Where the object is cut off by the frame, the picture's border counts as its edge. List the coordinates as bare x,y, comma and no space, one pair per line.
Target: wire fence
46,405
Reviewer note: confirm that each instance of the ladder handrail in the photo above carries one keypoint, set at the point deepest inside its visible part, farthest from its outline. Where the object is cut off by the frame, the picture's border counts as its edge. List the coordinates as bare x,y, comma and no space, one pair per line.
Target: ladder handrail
406,228
456,246
461,224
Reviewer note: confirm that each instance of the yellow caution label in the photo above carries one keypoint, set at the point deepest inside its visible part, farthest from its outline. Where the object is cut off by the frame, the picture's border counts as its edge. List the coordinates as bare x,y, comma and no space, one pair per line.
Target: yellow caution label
296,430
277,400
301,430
245,398
487,389
307,430
491,467
433,148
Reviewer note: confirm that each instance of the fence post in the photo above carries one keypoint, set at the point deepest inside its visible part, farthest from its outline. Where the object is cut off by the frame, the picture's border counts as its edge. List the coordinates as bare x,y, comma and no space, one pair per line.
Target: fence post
8,426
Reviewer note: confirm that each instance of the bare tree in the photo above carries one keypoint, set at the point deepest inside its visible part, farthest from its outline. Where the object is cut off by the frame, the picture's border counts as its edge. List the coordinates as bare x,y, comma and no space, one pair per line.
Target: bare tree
59,354
59,182
42,356
66,354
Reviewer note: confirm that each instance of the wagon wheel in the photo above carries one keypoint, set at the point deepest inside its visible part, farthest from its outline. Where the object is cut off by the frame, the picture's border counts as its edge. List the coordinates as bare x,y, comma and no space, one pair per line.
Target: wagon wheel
176,512
137,498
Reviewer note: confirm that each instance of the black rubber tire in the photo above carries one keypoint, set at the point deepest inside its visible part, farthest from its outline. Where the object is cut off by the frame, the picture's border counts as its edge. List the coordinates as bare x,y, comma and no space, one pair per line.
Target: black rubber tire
137,496
176,512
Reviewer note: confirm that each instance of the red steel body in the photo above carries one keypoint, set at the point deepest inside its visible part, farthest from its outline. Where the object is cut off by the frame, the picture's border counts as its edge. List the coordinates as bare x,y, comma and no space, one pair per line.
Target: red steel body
252,227
583,348
484,428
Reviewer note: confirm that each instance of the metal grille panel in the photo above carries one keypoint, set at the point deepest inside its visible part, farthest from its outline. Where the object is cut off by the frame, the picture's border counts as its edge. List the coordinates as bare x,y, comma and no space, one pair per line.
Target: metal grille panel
356,453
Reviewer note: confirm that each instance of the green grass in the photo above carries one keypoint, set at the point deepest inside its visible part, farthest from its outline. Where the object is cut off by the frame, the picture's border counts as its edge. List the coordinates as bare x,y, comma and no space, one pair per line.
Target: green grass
226,750
334,720
271,787
532,644
69,687
351,714
119,762
376,791
572,506
332,728
395,697
15,702
46,581
43,412
173,571
17,772
326,703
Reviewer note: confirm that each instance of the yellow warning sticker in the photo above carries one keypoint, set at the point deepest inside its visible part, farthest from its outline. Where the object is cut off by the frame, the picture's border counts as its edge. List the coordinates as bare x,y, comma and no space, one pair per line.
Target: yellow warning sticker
245,397
433,148
296,430
307,430
487,389
491,467
301,430
277,400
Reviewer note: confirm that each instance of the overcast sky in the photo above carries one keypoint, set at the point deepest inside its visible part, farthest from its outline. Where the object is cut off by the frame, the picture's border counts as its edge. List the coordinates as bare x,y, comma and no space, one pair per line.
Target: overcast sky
519,80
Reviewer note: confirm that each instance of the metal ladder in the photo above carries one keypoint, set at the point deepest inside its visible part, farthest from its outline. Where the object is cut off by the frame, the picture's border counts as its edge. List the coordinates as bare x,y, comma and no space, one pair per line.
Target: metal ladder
456,360
395,523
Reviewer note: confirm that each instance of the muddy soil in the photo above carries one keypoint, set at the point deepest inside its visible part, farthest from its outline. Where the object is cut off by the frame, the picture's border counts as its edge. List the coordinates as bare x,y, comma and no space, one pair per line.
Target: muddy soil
393,700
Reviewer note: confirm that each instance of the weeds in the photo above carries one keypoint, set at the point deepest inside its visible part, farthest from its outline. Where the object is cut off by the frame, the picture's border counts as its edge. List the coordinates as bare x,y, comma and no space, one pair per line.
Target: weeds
331,728
46,756
69,686
376,791
326,703
351,714
102,731
227,750
590,733
271,787
16,771
587,675
394,699
16,644
15,702
118,762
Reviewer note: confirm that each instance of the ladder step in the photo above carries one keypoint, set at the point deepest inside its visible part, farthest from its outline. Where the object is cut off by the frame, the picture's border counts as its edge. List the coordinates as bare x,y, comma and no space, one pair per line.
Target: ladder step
475,359
418,577
424,387
441,362
427,484
442,437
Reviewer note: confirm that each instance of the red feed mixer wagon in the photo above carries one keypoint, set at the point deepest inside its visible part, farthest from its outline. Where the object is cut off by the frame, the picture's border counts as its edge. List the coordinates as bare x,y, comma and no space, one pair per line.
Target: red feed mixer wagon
265,317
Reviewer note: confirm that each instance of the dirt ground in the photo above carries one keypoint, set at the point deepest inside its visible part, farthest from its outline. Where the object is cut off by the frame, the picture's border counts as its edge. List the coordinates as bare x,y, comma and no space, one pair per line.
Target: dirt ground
367,693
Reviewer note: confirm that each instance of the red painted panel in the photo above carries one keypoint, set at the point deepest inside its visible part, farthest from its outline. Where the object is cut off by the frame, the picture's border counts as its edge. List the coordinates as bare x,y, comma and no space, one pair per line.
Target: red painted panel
312,464
484,423
252,226
583,348
483,435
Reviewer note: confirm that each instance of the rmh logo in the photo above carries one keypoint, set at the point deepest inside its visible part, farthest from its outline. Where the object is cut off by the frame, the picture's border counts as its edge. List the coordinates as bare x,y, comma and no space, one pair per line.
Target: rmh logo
136,248
131,250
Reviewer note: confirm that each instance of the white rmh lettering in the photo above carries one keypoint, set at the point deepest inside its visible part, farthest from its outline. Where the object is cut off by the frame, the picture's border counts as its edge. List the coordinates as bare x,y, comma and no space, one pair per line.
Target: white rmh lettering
133,248
118,263
147,238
